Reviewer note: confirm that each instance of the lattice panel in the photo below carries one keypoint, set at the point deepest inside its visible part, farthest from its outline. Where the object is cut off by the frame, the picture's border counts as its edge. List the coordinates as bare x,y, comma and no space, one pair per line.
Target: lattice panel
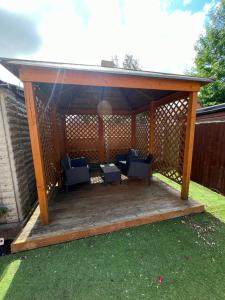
142,134
82,136
169,138
117,135
61,133
47,143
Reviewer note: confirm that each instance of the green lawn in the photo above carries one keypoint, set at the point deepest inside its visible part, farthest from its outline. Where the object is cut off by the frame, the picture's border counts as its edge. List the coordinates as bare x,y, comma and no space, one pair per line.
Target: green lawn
214,202
189,254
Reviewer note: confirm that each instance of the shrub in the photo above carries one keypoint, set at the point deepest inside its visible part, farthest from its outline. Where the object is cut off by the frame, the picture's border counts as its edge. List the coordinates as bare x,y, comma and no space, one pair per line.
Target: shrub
3,211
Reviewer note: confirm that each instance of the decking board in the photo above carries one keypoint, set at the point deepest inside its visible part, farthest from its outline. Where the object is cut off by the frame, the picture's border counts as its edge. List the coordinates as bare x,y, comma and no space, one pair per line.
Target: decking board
96,209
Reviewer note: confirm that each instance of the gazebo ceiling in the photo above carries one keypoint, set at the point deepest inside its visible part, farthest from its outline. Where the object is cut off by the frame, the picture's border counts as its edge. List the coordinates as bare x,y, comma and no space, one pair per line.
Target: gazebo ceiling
72,97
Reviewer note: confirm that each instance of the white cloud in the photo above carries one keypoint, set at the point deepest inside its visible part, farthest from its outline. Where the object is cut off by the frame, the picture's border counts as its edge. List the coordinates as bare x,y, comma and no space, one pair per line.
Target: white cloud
7,76
186,2
162,41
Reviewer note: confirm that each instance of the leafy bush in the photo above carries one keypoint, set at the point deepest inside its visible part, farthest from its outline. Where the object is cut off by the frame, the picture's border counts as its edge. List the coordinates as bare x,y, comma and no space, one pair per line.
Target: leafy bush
210,59
3,211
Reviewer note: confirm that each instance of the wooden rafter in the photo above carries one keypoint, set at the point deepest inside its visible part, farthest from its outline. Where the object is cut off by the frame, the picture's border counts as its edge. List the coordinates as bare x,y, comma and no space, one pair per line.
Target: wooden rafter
164,100
140,92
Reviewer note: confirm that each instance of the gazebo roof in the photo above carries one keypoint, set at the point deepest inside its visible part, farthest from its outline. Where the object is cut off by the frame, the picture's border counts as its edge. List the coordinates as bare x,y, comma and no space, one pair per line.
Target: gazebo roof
87,94
14,64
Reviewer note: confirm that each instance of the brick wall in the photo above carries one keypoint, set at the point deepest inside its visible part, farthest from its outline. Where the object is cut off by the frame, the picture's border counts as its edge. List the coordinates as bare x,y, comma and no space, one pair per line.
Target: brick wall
17,181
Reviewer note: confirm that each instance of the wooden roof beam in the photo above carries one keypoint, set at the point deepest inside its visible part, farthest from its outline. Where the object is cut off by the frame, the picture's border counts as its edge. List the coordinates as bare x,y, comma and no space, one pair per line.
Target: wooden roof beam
76,111
102,79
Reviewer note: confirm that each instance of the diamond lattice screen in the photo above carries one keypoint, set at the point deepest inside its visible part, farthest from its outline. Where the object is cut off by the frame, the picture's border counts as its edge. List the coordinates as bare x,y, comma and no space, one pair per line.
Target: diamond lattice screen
61,133
142,133
169,138
117,135
47,143
82,136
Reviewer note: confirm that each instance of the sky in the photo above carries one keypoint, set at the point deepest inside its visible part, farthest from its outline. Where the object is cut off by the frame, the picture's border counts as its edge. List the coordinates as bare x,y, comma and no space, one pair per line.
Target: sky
161,34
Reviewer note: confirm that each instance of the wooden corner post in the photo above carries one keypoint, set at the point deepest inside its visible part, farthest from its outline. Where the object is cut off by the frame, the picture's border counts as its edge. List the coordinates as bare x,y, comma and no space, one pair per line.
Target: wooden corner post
36,150
189,141
133,130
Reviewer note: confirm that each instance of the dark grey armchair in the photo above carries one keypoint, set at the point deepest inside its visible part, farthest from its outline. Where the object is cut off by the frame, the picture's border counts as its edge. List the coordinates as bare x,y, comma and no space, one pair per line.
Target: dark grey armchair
141,168
75,171
122,161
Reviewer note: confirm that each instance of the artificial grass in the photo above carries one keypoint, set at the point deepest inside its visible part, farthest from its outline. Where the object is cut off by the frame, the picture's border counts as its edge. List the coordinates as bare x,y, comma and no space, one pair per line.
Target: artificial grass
214,202
187,252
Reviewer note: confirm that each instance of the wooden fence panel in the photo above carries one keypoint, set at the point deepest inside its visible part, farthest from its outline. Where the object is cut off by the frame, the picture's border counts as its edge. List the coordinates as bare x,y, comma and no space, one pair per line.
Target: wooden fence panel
117,135
82,136
44,111
142,133
208,164
169,138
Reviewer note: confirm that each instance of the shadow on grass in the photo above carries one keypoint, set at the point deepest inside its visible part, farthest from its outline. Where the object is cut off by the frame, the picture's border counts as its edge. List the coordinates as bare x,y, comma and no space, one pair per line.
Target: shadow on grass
187,252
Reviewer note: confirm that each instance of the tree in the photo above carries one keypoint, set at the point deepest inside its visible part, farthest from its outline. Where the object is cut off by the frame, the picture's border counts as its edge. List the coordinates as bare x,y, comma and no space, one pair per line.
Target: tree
210,58
130,62
115,61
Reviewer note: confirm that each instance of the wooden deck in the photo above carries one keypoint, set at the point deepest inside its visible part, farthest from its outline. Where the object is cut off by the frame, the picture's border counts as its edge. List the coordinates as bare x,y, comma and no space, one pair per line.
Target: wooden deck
95,209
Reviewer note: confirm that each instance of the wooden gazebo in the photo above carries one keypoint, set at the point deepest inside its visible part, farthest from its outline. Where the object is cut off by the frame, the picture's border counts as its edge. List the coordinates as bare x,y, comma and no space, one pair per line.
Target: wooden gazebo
99,112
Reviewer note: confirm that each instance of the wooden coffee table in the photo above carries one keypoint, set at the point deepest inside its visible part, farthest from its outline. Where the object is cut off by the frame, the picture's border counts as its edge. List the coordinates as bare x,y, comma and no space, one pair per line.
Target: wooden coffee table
110,173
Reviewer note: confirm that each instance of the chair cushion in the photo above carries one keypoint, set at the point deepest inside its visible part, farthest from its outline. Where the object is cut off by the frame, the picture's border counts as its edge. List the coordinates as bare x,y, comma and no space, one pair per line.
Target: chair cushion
78,162
69,162
149,159
65,163
123,162
131,155
120,157
133,152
